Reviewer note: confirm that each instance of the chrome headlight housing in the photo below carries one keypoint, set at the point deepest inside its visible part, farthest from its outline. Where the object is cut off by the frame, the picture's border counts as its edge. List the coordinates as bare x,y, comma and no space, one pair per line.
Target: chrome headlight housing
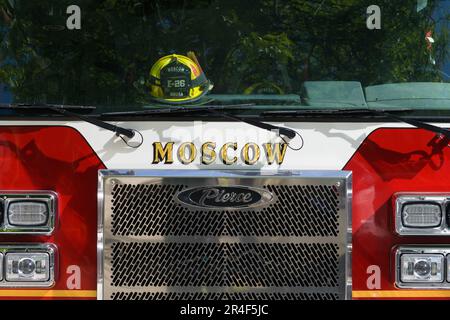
422,267
27,213
27,265
422,215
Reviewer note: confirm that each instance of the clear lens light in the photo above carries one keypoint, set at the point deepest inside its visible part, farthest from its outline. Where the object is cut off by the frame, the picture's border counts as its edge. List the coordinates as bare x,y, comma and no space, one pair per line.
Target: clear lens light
448,268
422,268
422,215
31,267
27,213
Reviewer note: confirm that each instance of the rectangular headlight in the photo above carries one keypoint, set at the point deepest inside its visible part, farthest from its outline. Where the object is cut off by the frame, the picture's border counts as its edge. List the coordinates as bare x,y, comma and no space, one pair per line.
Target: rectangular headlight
448,268
421,214
27,267
27,213
30,213
422,268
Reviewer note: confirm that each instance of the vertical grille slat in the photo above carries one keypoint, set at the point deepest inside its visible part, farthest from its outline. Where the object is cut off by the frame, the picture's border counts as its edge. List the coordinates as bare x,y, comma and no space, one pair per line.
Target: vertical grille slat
156,247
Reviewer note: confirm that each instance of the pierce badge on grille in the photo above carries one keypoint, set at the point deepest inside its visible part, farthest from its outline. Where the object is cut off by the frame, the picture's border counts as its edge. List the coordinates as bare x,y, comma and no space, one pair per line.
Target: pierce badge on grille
219,197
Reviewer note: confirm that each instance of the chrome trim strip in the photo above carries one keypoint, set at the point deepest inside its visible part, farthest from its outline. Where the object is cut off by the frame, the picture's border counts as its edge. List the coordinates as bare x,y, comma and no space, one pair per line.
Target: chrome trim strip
348,253
100,240
227,173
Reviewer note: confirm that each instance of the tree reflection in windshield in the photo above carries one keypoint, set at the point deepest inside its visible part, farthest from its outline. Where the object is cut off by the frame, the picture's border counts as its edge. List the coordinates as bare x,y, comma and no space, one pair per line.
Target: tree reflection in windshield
245,47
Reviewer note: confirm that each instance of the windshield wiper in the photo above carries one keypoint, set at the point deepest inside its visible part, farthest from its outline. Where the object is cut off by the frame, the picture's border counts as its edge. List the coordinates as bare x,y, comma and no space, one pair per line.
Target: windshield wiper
65,110
390,114
164,110
219,110
45,106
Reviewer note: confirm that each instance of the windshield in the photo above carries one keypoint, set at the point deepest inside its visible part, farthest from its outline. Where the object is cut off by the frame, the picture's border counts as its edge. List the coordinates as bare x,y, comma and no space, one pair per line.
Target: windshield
268,52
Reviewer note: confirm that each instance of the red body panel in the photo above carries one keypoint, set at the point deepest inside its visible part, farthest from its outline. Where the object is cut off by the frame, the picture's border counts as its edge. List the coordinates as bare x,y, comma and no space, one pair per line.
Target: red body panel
61,160
391,161
57,159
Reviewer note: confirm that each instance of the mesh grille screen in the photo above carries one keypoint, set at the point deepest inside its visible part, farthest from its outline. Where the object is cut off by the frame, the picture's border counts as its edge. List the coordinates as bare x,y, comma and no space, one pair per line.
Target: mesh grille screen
221,296
157,248
224,264
150,210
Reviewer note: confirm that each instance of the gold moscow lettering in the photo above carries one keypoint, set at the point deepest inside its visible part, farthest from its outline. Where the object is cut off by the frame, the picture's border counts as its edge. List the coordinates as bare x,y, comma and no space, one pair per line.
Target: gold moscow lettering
160,153
275,154
208,153
224,153
187,153
246,153
182,153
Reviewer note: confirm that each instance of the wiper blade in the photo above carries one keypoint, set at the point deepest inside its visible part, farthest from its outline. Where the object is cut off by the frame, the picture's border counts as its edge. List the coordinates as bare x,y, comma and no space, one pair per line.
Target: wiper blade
388,113
65,110
262,125
263,98
415,123
346,111
219,110
167,110
45,106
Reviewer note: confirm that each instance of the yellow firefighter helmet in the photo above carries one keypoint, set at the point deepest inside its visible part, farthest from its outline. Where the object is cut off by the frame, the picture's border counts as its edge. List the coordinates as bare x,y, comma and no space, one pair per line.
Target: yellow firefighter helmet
178,79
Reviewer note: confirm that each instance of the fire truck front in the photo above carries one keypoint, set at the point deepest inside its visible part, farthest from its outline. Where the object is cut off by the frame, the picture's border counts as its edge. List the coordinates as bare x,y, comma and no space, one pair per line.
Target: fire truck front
224,150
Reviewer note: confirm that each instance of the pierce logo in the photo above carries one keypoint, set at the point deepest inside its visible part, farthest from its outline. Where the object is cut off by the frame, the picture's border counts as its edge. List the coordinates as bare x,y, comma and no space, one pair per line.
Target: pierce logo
220,197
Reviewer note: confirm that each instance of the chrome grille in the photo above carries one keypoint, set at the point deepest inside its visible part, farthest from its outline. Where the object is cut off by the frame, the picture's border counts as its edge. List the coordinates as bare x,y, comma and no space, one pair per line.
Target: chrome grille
149,210
153,246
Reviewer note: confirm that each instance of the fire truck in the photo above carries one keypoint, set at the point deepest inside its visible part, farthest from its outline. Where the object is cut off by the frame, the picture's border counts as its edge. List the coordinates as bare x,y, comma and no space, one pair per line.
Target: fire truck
224,150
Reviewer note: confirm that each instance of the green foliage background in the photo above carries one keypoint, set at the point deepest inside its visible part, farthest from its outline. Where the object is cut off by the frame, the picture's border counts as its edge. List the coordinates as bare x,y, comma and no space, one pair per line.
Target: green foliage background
239,43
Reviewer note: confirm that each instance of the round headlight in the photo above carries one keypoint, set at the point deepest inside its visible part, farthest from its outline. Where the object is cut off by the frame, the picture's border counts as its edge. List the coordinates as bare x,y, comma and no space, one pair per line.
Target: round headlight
27,266
422,268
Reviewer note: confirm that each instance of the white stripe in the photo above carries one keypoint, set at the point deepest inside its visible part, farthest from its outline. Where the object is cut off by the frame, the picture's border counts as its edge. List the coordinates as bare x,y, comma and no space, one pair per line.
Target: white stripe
327,146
